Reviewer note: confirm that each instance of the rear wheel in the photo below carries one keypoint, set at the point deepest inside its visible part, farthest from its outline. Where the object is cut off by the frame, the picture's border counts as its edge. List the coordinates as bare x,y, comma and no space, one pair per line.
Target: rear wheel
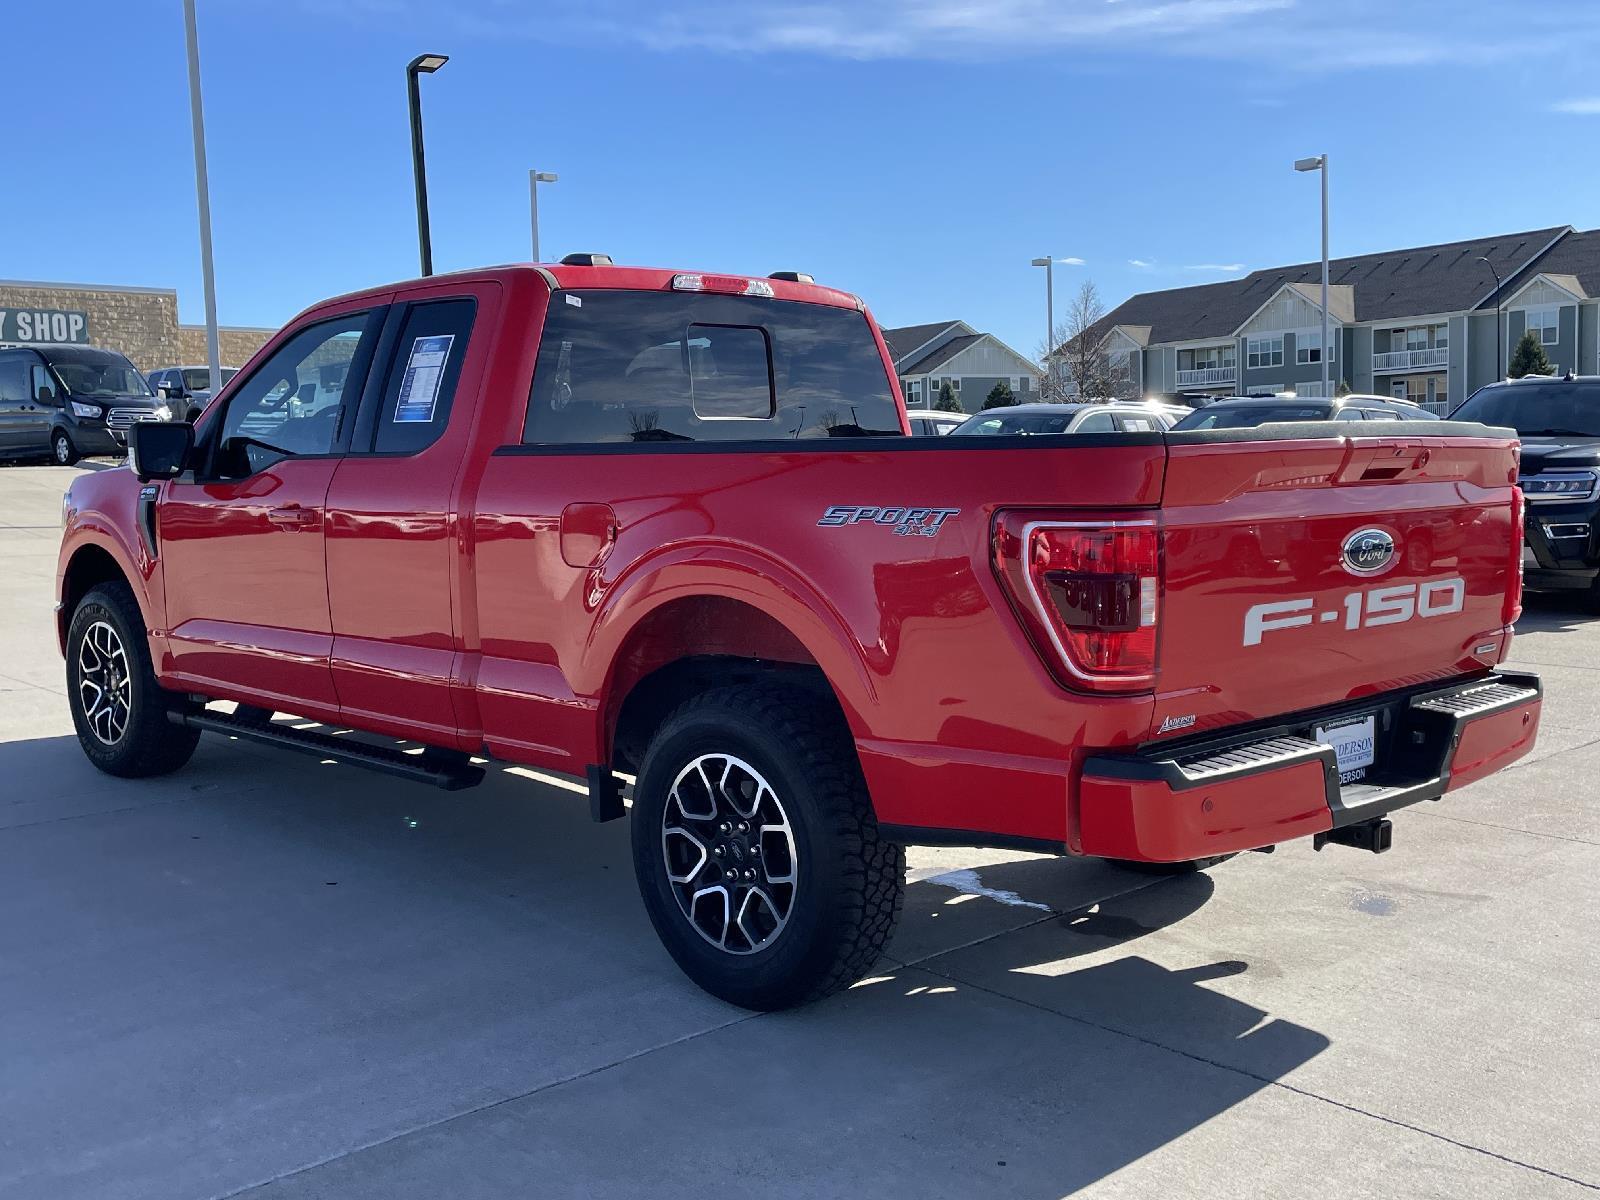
62,452
756,850
118,708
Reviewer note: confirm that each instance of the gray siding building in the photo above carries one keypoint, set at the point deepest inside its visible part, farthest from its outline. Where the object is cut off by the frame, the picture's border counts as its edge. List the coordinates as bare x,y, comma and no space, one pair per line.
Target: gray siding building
925,356
1418,323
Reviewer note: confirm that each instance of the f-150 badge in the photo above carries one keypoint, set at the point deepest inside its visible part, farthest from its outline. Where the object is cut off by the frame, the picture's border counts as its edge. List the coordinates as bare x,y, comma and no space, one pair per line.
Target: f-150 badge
907,522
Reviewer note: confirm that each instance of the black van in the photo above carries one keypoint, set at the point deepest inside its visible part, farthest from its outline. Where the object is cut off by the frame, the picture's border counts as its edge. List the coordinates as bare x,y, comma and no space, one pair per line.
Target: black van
63,402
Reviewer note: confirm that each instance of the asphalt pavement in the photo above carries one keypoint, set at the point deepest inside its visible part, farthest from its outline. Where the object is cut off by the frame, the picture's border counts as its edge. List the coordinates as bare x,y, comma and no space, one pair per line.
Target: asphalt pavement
272,977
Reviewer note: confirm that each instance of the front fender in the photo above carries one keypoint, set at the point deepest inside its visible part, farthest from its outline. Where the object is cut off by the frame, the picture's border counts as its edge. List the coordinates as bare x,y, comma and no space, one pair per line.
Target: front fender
108,521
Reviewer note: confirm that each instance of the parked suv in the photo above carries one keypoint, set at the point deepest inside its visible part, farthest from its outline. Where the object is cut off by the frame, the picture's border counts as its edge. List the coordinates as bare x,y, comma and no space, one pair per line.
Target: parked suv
69,401
1559,422
1025,419
189,384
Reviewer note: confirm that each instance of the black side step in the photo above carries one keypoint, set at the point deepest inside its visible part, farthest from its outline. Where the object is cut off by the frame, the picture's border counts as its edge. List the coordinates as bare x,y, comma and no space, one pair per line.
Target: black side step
447,769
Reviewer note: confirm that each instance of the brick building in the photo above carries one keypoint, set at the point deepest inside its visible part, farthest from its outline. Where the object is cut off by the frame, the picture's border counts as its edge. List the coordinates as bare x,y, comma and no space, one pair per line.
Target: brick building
140,322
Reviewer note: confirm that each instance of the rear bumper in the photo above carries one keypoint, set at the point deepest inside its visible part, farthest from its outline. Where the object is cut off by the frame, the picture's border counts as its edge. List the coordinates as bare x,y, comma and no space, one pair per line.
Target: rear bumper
1223,794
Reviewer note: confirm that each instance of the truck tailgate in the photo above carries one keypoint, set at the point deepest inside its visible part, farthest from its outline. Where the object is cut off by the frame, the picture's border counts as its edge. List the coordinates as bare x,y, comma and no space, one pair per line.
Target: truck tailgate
1305,573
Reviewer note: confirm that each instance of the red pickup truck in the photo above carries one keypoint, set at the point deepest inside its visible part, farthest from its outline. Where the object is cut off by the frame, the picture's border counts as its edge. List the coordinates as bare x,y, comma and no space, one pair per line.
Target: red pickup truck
605,520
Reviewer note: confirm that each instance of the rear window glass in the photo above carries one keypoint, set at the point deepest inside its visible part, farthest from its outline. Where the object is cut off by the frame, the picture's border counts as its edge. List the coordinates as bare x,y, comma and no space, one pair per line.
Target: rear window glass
1249,416
1538,409
618,366
1019,424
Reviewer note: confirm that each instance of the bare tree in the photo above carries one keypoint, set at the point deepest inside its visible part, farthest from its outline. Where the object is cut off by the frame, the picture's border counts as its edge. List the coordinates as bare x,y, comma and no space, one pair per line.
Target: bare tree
1080,366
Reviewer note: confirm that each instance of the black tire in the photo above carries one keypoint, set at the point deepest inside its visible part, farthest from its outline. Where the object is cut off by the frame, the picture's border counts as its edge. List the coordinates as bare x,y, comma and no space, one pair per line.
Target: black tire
62,452
1186,867
145,742
849,882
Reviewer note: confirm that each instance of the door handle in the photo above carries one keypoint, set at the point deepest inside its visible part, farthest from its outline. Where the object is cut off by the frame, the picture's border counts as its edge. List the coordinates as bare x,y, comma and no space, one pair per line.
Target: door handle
292,517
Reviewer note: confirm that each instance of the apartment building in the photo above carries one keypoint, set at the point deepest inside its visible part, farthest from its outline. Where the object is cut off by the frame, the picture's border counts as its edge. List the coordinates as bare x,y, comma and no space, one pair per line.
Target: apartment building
1428,323
925,356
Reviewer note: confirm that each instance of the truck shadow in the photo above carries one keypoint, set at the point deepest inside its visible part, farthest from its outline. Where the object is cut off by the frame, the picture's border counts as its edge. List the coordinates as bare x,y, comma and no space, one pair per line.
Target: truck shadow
346,943
1554,612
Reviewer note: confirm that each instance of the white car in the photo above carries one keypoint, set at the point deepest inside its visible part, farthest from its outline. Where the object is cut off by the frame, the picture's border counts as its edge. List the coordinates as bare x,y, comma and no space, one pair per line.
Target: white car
931,421
1024,419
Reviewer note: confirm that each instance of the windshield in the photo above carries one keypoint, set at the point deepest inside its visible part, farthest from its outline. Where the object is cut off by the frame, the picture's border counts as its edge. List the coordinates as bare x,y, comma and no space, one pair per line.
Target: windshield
1248,416
1538,409
98,375
198,379
1019,423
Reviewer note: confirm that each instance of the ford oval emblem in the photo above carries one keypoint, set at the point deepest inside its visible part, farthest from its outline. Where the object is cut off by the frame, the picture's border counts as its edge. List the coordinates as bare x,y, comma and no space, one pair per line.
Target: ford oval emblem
1368,552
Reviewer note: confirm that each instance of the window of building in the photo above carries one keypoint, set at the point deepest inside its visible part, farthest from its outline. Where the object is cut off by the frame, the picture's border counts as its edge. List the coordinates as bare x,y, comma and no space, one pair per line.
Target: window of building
913,393
621,366
1308,389
1543,322
955,384
1308,347
1264,352
421,387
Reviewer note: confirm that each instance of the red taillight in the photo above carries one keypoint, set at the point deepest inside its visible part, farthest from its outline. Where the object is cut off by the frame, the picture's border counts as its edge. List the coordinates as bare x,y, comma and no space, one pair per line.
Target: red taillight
1089,592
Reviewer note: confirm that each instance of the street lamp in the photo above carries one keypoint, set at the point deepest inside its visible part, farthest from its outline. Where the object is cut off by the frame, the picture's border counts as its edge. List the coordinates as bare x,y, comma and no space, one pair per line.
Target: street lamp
421,64
1499,337
202,189
535,178
1049,265
1320,163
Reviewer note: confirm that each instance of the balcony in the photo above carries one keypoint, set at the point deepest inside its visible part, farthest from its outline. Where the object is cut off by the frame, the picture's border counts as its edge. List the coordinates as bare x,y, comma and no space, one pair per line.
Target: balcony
1207,376
1412,360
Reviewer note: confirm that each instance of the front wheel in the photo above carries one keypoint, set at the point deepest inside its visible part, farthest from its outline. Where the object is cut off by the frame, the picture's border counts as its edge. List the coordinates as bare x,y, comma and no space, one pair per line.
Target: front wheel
756,850
118,708
62,452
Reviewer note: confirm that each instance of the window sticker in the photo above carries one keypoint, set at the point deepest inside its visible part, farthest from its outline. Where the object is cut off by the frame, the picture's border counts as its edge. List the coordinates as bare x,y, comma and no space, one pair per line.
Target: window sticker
419,389
575,301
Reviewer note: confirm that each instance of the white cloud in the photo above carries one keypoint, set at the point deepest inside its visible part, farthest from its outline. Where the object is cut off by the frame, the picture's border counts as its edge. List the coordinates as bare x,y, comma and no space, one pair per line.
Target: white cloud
1224,268
1141,264
1071,262
1579,106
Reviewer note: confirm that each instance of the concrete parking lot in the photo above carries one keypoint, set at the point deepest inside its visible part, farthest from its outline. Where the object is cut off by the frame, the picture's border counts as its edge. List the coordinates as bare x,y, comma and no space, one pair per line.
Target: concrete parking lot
270,977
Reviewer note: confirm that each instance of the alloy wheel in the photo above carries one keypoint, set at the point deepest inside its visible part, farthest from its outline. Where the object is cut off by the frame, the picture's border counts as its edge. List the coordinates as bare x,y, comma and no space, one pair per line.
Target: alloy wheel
730,853
105,688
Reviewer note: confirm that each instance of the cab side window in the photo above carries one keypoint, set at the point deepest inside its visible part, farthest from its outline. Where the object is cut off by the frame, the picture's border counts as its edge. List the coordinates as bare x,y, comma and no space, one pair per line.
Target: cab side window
1096,422
295,403
41,386
421,386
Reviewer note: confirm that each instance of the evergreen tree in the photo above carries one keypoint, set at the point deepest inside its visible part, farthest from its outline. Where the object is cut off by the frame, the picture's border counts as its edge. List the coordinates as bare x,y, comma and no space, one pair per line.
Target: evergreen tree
1000,396
947,401
1529,357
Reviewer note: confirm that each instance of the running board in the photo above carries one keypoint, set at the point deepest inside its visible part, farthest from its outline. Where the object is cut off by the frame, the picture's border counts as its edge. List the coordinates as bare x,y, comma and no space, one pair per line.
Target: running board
448,769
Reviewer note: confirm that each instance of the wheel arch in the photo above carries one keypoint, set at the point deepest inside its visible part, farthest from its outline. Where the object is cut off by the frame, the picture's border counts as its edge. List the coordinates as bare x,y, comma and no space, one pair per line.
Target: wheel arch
91,564
691,643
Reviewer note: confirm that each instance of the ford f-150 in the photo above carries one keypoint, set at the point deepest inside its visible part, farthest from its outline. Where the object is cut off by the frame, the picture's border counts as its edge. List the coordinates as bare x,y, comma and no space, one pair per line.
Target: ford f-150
668,531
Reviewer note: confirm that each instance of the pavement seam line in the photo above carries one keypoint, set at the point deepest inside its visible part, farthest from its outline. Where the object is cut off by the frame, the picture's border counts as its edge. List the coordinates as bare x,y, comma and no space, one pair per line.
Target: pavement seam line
1263,1079
1554,837
425,1126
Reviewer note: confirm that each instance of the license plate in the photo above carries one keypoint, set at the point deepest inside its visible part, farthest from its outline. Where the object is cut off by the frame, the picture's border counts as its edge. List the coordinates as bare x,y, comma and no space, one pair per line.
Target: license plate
1354,745
1528,557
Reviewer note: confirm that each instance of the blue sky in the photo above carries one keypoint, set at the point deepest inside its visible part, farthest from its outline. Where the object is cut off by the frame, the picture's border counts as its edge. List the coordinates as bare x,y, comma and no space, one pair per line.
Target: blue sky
918,152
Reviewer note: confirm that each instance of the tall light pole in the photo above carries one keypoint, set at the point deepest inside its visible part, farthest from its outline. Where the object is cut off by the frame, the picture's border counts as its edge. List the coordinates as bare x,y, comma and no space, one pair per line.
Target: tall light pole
1320,163
1049,265
535,178
202,189
424,64
1499,338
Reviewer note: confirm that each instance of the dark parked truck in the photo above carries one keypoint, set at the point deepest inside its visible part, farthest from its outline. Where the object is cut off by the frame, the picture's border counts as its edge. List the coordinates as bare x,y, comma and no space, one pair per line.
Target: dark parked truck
619,522
68,401
1558,420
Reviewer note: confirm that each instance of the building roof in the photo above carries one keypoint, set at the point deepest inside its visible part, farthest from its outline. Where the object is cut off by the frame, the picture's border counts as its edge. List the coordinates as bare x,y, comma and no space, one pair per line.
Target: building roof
1575,256
943,354
907,339
1418,281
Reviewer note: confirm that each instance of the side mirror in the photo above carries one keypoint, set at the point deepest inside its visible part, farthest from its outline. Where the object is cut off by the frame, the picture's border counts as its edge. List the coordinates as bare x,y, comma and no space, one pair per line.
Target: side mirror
47,395
170,391
160,449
